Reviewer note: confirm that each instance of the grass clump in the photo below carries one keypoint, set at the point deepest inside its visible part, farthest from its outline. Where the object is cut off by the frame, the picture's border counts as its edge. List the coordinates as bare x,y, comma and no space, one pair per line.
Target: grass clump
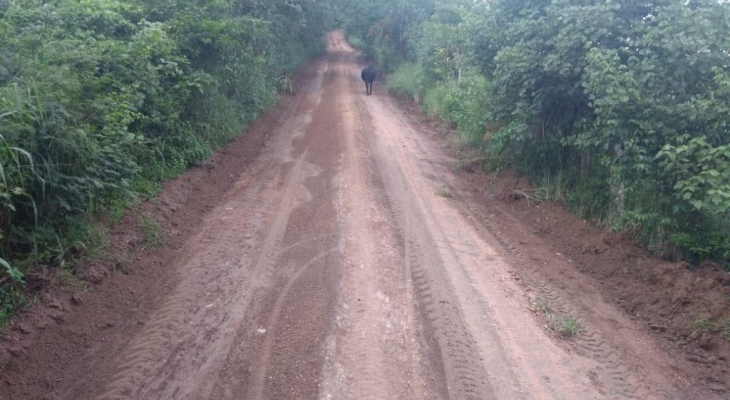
702,324
565,326
409,80
153,233
442,191
11,300
569,326
543,306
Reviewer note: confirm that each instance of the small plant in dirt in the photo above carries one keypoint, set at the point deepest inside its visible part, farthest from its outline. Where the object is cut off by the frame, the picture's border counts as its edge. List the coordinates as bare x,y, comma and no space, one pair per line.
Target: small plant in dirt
566,327
11,299
569,326
542,305
470,163
445,193
152,232
702,324
122,262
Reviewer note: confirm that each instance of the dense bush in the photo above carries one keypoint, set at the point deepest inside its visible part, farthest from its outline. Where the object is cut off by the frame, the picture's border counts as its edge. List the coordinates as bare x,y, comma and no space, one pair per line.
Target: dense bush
625,102
620,107
409,80
100,100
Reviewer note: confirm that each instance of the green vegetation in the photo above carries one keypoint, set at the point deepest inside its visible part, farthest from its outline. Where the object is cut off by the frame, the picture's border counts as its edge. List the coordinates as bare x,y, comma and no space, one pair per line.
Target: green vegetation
152,232
569,326
101,100
702,324
408,80
565,326
444,192
616,108
542,305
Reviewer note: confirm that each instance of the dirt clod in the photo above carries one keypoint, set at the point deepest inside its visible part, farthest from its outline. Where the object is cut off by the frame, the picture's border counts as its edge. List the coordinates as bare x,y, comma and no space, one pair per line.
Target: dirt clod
95,271
77,299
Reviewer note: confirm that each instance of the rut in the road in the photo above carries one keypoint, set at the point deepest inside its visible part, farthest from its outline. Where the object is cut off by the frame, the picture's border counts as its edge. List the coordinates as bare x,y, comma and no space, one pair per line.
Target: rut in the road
454,358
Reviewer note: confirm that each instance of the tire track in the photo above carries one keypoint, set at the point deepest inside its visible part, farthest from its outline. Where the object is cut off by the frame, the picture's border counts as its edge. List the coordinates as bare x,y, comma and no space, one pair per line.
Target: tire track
371,349
450,346
276,348
260,381
619,382
164,348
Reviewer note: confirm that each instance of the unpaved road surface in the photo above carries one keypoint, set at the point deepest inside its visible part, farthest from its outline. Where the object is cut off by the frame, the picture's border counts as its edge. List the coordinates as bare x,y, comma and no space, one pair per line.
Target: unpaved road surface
341,265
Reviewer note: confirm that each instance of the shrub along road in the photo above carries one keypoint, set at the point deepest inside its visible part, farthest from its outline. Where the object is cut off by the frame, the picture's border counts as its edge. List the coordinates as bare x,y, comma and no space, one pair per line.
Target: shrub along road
344,264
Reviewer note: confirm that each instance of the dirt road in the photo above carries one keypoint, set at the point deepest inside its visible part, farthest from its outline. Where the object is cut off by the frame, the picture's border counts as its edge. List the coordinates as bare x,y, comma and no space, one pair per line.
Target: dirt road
342,265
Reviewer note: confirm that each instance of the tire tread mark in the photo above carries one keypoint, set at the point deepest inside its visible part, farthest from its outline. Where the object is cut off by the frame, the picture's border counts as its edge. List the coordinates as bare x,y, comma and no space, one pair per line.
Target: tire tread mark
590,341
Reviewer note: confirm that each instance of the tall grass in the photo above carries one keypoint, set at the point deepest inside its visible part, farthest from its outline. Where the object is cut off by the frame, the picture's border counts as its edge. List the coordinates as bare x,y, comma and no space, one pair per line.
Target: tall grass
462,104
409,80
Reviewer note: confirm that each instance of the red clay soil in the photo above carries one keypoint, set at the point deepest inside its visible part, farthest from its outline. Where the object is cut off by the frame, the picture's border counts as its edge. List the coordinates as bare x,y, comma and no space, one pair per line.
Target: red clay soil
112,298
686,307
332,252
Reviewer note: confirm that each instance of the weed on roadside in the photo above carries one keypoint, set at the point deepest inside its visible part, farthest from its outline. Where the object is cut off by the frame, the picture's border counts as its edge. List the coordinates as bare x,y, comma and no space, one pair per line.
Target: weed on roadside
445,193
550,188
122,262
565,326
702,324
11,299
152,232
80,239
725,327
146,188
705,325
542,305
470,164
569,326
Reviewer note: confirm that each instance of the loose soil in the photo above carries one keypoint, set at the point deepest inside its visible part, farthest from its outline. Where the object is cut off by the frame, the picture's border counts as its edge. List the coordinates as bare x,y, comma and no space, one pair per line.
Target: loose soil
685,308
332,252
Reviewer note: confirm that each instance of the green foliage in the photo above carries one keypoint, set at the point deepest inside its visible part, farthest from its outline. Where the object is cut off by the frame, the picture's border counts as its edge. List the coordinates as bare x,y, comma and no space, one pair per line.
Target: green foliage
569,326
702,324
101,100
626,102
11,300
13,273
565,326
462,105
701,172
408,80
645,118
152,232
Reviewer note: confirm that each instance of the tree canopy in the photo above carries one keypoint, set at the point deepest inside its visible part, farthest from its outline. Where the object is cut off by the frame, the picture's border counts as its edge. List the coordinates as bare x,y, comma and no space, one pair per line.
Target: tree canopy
626,102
